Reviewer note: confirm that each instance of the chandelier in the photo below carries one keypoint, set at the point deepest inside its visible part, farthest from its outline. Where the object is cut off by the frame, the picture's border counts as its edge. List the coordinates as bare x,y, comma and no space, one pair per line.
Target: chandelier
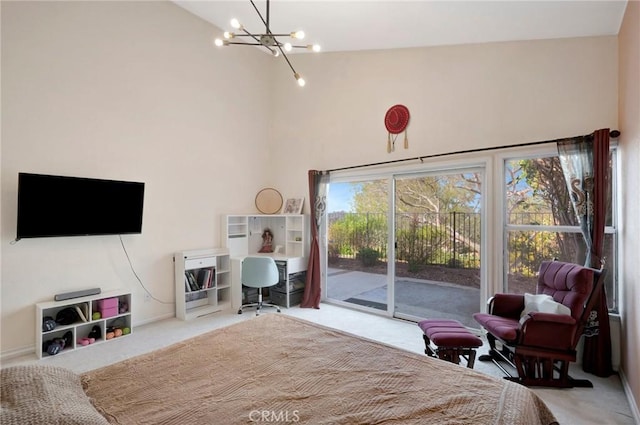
268,40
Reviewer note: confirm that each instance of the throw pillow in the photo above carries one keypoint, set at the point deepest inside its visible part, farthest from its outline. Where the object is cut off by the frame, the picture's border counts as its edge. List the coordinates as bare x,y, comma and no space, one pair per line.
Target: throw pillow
542,303
44,394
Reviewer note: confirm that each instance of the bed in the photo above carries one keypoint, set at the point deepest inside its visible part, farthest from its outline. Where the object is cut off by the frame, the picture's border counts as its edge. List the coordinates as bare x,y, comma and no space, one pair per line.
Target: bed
279,369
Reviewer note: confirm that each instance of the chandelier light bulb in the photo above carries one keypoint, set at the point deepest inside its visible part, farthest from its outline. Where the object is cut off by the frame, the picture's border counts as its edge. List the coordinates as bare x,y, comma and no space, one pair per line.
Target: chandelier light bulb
300,80
298,35
288,47
218,42
228,35
275,52
316,47
235,23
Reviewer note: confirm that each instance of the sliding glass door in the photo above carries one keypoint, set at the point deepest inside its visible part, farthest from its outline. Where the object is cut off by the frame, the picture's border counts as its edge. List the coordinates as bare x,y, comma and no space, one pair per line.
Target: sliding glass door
437,230
407,244
357,243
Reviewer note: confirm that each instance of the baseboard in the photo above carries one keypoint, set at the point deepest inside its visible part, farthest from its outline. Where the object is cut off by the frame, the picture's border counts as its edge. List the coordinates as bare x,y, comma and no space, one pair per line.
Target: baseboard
153,319
18,352
630,397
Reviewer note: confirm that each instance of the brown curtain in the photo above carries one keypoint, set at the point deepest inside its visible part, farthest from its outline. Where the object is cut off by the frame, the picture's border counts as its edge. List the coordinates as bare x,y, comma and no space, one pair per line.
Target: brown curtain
585,164
318,198
596,357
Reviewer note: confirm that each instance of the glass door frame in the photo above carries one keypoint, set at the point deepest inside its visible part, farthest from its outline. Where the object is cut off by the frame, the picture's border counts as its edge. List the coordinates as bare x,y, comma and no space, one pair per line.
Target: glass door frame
482,170
355,178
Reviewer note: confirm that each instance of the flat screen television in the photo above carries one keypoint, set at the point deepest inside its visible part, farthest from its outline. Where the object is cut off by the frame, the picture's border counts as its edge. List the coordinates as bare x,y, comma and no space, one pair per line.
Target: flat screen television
73,206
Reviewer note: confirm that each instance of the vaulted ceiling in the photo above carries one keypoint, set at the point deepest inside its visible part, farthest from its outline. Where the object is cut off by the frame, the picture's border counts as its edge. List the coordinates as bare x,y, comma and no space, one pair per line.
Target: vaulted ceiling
349,25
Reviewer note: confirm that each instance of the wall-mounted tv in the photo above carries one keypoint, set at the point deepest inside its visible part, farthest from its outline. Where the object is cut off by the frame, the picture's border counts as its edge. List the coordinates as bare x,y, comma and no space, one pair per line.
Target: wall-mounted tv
74,206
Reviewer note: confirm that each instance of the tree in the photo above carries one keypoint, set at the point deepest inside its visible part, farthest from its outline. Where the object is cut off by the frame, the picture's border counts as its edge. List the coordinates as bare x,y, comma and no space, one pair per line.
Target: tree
437,194
426,230
537,195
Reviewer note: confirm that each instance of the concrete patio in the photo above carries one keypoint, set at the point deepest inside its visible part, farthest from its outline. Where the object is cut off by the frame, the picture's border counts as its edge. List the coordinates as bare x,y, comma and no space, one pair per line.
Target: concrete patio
414,297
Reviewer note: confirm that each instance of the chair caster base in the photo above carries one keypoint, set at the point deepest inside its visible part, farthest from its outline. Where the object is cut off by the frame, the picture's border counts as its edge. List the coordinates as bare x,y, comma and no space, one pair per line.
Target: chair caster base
259,307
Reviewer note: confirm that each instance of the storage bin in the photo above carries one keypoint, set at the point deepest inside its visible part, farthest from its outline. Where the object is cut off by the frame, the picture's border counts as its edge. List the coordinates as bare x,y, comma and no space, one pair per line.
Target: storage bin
249,295
280,298
108,307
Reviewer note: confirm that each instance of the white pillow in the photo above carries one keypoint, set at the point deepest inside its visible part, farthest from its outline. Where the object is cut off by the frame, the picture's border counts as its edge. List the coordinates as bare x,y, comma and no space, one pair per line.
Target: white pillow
544,304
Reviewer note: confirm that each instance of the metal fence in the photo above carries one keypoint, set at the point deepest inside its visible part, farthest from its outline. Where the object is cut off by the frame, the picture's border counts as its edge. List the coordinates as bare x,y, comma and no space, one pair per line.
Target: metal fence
451,239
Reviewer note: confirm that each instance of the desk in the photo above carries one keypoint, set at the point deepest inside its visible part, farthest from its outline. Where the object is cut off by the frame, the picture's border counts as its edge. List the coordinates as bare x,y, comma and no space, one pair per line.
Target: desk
287,266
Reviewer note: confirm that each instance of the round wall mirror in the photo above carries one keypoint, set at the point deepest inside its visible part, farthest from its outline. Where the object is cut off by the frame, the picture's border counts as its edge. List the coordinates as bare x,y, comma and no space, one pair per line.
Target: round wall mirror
269,201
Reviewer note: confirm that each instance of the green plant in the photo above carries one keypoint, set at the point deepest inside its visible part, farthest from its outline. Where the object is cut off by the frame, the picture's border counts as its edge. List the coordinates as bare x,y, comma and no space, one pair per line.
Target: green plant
454,263
368,256
414,265
333,252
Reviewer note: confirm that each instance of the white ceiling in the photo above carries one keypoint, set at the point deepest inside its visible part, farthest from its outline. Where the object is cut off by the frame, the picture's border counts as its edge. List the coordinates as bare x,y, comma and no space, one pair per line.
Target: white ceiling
341,25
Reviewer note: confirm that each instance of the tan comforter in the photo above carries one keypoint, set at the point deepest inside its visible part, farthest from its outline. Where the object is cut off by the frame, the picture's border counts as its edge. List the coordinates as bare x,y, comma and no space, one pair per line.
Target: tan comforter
278,369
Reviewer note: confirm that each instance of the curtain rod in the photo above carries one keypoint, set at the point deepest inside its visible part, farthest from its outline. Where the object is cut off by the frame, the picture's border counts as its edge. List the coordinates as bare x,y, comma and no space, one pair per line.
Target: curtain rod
612,134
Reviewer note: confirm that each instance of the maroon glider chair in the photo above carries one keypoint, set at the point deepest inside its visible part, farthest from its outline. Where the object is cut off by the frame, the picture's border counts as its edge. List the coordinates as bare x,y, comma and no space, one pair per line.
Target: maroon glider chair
540,345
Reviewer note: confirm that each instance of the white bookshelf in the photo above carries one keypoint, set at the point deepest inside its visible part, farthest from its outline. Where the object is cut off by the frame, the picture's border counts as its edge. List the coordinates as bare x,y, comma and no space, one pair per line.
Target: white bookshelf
202,282
82,328
242,233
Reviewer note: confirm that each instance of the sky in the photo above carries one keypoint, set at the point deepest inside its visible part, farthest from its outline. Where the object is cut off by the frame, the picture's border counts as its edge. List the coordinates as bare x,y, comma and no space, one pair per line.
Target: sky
340,197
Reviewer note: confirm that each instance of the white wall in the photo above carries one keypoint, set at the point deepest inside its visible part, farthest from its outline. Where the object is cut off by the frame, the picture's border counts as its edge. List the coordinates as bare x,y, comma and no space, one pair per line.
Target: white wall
629,70
459,97
130,91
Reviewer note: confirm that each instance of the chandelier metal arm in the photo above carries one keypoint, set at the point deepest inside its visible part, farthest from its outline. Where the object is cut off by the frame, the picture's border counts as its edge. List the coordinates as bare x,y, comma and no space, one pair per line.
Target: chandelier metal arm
266,23
243,43
247,33
276,42
255,37
288,62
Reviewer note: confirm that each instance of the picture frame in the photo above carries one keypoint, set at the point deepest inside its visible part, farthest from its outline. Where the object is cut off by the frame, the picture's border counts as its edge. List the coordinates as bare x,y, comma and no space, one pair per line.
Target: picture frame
293,206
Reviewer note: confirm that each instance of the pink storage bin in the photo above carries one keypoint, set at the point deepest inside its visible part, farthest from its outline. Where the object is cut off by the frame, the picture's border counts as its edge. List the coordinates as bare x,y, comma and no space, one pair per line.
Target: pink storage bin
107,303
108,307
109,312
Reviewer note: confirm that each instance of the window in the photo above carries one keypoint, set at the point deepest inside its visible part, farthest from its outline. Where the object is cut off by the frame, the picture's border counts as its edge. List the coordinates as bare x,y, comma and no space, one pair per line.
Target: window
540,223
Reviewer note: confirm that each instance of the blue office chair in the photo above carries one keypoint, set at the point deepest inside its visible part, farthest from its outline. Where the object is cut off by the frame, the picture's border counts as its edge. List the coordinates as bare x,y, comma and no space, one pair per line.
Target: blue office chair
259,272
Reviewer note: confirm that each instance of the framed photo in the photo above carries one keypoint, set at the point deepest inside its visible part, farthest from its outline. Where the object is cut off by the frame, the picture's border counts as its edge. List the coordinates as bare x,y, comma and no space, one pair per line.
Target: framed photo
293,206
